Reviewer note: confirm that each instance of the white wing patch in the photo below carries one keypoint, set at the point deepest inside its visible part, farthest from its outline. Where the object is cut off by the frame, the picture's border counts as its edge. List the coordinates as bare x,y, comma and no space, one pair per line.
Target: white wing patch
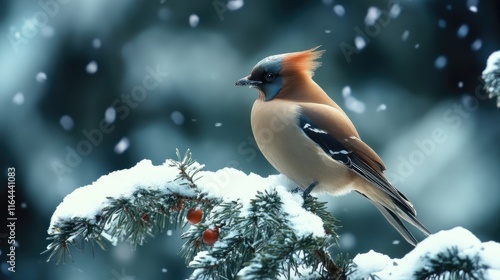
344,152
313,129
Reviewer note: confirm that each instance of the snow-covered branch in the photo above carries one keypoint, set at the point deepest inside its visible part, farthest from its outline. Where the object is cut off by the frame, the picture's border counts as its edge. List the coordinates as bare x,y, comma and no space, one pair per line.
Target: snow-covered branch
450,254
242,224
127,204
245,226
491,76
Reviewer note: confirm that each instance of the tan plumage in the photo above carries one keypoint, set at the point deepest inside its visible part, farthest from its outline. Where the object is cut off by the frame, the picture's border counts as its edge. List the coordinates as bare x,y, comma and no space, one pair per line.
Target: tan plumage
306,136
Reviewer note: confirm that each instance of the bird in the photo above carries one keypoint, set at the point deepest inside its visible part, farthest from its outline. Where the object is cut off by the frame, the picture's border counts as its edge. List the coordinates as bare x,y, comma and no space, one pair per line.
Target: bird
307,137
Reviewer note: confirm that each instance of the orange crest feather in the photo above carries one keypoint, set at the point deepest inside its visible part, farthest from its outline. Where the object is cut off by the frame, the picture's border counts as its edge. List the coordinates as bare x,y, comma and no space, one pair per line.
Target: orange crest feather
302,62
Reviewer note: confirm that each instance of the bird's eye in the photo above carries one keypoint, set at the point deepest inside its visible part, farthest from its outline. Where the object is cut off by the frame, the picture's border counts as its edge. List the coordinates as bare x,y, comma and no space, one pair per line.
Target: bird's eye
270,77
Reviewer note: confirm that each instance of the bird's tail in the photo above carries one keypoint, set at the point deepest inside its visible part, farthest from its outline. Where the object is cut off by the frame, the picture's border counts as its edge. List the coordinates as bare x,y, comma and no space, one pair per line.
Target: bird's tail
394,219
396,209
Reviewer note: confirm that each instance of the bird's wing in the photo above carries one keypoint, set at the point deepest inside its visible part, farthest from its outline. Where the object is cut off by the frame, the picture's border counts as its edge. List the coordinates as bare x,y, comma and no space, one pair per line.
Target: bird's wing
331,130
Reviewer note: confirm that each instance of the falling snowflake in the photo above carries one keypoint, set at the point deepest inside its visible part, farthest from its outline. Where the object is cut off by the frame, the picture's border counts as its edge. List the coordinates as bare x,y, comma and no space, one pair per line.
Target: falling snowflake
234,5
339,10
110,115
96,43
177,117
476,45
18,98
359,42
122,145
405,35
395,10
91,67
194,20
472,4
381,107
66,122
442,23
440,62
462,31
351,102
372,15
41,77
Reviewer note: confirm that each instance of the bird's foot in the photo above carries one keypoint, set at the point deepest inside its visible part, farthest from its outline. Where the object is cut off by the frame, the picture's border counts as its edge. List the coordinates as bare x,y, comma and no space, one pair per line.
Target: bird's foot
309,189
297,190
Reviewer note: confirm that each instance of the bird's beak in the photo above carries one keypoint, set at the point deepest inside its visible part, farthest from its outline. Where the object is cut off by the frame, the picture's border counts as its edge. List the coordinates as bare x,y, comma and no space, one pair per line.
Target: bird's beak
247,82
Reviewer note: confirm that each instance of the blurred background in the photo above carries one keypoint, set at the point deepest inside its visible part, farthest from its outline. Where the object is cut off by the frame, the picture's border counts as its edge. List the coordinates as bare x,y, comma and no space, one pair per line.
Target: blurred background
89,87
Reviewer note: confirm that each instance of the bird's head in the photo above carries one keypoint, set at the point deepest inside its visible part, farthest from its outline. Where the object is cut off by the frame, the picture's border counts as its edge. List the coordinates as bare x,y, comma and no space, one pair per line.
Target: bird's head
272,73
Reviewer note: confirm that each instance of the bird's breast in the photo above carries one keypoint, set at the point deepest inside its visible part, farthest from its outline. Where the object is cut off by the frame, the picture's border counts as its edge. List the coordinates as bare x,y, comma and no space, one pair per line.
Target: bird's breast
272,124
277,133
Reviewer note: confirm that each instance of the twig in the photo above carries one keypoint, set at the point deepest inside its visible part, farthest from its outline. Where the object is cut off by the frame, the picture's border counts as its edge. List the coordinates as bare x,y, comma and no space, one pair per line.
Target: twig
334,272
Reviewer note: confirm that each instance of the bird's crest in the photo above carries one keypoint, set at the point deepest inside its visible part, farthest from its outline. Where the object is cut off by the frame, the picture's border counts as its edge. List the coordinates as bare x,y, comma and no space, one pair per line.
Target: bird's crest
302,62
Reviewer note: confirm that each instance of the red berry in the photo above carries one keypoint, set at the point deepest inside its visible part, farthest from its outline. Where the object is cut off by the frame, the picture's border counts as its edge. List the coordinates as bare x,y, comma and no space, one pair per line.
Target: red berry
210,236
194,215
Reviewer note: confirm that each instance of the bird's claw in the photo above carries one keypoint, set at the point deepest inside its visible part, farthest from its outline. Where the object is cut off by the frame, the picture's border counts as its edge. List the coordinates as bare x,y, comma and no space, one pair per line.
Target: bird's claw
309,189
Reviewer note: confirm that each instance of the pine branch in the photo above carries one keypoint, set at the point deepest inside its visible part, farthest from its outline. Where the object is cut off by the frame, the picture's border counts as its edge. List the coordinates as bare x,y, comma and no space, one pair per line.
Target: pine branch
75,232
272,234
451,265
132,219
334,272
448,254
262,245
186,172
261,232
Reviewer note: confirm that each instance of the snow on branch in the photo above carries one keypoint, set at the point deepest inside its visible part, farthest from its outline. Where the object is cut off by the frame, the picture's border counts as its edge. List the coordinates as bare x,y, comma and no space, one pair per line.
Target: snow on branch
491,76
242,224
450,254
122,204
